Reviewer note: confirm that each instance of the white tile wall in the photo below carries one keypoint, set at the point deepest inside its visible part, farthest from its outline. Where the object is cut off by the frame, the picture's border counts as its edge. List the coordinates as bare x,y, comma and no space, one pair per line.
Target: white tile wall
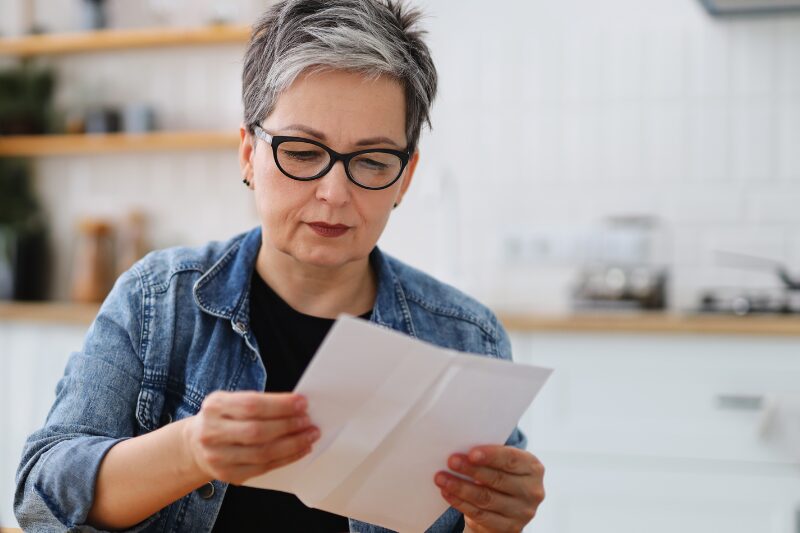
550,115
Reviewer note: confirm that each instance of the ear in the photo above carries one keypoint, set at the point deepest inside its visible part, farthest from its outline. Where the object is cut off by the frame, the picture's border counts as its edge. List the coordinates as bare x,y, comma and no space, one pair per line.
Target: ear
409,175
246,150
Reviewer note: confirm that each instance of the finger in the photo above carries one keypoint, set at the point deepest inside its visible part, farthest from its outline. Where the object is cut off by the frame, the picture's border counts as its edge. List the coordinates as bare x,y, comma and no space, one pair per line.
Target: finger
262,454
511,484
486,519
506,458
255,432
481,496
248,405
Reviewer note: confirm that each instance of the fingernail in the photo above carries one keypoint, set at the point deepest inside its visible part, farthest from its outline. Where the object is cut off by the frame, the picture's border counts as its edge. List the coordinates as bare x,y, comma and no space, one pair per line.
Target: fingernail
313,435
477,456
441,479
457,463
300,405
303,421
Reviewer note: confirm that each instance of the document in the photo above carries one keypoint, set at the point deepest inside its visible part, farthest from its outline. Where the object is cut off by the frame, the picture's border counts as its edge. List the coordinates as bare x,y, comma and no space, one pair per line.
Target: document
391,409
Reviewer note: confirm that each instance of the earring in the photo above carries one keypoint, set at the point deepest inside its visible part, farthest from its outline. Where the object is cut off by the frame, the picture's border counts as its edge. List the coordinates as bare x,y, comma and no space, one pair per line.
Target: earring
246,182
395,205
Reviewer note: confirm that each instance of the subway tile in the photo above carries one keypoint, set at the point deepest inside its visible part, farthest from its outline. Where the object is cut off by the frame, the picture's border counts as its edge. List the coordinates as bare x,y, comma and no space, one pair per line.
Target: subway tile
543,72
665,64
709,141
621,141
623,65
709,61
581,64
704,204
764,240
541,134
753,127
753,67
665,145
778,205
580,144
788,143
788,52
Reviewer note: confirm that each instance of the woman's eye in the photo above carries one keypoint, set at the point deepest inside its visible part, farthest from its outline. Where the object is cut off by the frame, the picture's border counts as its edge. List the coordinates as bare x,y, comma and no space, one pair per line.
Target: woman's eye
372,164
302,156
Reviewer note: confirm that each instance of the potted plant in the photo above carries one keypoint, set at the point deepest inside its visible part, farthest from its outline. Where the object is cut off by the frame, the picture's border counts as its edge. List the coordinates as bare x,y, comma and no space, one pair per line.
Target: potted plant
25,100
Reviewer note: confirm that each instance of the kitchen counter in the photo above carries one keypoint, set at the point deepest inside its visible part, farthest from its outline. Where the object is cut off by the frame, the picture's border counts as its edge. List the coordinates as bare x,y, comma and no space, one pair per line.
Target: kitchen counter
53,312
654,322
520,322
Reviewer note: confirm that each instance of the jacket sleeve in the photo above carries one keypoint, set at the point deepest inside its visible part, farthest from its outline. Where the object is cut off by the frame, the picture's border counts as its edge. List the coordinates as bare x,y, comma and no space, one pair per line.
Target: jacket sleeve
517,438
94,409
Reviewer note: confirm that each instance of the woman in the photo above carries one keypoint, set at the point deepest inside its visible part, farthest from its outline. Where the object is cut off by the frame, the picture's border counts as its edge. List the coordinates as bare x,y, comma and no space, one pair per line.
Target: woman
182,389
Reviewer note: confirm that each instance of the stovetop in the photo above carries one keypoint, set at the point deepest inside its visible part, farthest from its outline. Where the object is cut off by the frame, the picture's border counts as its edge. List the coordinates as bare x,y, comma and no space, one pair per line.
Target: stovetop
737,301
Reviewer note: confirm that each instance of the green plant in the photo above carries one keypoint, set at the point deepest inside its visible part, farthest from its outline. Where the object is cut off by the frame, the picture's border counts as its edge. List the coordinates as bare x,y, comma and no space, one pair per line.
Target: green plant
26,100
18,204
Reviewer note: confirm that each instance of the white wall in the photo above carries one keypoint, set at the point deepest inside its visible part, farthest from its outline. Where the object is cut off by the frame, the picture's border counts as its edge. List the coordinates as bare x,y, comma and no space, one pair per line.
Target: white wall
551,116
621,106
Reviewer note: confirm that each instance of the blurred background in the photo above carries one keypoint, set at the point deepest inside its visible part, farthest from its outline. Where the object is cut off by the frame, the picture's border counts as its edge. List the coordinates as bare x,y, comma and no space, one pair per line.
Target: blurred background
618,180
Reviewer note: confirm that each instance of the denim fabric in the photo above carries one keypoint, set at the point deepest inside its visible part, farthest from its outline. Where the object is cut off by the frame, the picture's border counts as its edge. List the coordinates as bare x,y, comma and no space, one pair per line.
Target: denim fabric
175,328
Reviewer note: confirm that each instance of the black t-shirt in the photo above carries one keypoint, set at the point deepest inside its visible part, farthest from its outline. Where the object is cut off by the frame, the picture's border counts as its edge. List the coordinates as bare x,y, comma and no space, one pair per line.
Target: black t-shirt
287,340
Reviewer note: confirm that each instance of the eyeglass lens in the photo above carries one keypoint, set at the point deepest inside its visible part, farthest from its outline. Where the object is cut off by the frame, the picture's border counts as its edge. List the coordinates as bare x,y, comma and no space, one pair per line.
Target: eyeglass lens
305,160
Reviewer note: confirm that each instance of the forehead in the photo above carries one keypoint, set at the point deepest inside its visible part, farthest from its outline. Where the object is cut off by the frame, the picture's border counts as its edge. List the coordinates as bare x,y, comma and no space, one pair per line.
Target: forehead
343,104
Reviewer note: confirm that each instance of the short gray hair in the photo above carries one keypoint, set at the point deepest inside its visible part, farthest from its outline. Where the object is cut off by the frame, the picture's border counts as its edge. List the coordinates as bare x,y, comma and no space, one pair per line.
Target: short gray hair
373,37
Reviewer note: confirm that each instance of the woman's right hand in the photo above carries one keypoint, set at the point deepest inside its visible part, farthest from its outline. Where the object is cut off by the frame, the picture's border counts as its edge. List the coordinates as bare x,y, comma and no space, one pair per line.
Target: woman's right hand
239,435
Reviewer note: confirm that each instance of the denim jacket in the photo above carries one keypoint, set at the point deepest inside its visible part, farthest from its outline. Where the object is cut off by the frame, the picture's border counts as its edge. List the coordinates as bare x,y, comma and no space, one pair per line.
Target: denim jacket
176,328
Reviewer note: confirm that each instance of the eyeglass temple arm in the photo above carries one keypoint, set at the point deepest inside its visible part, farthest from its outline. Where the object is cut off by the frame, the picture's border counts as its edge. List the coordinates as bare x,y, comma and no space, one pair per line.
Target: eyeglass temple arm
261,134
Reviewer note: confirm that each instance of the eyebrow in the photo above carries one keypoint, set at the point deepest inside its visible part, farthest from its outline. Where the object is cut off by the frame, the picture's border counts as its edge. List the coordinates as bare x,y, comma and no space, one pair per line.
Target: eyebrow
321,136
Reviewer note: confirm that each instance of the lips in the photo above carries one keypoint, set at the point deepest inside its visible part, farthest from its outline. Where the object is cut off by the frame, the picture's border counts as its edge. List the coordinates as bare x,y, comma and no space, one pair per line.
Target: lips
328,230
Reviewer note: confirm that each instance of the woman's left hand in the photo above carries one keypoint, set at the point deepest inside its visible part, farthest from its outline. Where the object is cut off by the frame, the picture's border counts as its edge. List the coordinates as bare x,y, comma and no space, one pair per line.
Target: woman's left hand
504,490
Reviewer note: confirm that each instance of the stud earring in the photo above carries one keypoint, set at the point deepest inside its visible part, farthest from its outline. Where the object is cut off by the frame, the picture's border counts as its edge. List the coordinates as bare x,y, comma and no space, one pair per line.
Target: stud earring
246,182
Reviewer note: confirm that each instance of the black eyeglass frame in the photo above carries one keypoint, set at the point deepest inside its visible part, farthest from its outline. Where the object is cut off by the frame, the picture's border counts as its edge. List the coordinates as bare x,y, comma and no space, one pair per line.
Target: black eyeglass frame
276,140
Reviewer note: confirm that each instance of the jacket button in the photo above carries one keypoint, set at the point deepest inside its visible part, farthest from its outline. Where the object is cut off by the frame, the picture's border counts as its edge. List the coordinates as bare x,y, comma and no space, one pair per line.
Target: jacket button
206,491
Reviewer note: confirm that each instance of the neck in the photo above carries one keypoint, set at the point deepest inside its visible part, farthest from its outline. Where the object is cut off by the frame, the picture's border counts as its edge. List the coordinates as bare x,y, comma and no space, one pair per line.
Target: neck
319,291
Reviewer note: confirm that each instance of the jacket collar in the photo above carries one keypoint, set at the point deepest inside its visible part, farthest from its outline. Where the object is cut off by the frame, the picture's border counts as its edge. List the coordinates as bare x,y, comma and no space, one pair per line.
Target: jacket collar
224,289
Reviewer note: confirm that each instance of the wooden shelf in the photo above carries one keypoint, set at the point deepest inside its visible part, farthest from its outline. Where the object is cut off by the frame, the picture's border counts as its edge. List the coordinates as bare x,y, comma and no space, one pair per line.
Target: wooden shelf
103,40
44,145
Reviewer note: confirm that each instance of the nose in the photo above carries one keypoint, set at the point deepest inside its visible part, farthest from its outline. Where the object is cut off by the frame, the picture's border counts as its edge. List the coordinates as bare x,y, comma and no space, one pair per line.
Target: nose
334,187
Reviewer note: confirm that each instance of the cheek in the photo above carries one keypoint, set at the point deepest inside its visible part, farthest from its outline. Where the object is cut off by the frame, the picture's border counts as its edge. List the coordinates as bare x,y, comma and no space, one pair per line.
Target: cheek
278,198
375,209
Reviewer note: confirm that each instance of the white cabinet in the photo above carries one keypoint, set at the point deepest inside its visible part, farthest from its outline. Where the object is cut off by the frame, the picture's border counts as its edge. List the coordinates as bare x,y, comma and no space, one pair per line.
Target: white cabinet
651,433
32,359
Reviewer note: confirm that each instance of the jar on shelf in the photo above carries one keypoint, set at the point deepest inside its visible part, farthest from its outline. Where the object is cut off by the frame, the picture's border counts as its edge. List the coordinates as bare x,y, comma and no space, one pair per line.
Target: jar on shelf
93,273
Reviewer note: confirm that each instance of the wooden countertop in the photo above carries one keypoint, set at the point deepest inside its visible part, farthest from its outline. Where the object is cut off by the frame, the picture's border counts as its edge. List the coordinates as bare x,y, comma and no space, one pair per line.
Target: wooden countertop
517,322
48,312
654,322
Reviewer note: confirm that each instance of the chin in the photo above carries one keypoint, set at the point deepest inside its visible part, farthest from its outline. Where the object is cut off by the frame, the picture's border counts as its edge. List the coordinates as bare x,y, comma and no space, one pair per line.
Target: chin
322,256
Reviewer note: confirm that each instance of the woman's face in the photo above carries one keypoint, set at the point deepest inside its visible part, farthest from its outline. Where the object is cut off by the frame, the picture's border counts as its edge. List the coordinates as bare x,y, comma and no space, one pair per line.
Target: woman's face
342,110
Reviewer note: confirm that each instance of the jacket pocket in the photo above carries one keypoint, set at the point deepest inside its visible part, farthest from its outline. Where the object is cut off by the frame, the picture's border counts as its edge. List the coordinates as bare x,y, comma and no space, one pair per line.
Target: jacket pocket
161,401
150,403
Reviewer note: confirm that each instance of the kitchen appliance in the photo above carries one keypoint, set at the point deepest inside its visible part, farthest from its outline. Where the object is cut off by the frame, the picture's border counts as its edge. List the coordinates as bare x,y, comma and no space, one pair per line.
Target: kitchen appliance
748,7
784,299
626,267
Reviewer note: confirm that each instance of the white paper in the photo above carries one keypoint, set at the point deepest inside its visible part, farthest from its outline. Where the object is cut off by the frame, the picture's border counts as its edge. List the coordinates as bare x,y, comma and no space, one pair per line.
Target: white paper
391,409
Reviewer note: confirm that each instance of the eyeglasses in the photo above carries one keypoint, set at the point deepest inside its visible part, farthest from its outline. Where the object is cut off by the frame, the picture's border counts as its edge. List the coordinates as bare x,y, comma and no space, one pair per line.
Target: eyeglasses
305,160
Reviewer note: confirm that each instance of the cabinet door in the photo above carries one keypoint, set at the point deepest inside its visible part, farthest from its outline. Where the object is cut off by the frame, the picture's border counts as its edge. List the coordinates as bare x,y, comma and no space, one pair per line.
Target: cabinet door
639,433
618,495
32,358
694,397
